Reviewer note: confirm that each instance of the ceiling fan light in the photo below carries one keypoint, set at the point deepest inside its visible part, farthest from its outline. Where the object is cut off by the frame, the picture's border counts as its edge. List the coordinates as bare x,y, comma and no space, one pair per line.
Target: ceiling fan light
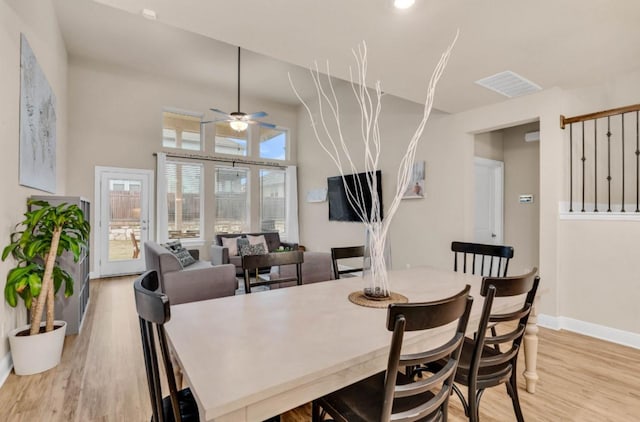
403,4
238,125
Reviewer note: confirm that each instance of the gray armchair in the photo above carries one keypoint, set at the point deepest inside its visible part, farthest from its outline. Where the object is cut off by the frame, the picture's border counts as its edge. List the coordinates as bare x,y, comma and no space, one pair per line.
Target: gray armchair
199,281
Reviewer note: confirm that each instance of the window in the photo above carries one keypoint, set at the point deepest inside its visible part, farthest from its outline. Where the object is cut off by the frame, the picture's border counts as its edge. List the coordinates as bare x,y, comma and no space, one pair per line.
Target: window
184,193
229,141
272,200
273,143
182,131
232,200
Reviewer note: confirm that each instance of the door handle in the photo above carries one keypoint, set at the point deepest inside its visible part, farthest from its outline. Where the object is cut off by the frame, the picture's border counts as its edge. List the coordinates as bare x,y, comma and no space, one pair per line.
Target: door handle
493,235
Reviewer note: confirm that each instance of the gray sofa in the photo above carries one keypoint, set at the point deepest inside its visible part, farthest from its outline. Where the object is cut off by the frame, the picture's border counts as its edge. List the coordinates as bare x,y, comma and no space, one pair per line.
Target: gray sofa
199,281
220,254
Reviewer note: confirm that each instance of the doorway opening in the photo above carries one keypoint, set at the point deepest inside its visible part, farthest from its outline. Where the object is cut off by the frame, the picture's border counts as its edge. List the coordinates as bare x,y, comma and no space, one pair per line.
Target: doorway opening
123,219
517,148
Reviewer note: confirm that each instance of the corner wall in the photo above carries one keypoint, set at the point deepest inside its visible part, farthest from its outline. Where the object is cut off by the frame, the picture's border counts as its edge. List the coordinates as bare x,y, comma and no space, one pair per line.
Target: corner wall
37,20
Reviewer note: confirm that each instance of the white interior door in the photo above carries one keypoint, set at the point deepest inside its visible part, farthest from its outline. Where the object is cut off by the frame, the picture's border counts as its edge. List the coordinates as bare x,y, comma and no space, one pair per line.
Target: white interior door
123,197
489,187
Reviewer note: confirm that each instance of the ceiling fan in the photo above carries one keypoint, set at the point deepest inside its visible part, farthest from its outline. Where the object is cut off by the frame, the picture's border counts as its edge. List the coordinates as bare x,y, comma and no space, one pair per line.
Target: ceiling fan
238,120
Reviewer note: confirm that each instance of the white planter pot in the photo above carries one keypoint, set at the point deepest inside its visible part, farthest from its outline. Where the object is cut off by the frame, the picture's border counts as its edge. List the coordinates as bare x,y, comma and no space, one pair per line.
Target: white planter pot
35,354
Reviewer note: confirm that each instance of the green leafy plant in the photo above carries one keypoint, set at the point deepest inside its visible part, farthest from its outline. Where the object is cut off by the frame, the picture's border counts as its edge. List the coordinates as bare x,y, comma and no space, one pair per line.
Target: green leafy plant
46,232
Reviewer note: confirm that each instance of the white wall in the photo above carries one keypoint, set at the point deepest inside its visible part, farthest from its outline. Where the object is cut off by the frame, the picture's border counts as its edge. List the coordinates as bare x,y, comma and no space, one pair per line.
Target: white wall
599,267
588,269
36,19
416,233
117,122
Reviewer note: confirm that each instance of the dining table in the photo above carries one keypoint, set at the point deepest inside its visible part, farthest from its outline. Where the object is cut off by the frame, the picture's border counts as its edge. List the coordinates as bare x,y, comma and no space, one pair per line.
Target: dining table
251,357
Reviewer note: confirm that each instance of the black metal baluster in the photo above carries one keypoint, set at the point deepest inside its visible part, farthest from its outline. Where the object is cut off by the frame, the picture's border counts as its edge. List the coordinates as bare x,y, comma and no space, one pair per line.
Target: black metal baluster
583,164
622,210
609,160
595,164
571,167
637,164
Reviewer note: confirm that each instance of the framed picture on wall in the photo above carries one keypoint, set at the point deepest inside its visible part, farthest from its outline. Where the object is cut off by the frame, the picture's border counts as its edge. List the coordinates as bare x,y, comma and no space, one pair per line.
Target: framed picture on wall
415,189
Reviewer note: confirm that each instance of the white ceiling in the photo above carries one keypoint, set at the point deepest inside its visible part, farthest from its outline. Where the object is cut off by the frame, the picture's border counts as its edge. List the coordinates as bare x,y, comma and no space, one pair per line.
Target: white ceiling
567,43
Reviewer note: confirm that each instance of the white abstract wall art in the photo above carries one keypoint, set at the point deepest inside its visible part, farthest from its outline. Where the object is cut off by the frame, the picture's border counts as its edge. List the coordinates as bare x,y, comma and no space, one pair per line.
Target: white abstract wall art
37,124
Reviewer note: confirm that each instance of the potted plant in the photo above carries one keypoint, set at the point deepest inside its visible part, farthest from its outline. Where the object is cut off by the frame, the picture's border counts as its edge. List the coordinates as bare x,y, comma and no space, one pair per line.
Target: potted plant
46,233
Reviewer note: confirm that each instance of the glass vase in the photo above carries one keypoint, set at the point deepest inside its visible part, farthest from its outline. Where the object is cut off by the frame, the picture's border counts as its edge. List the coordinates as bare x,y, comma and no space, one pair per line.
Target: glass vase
377,260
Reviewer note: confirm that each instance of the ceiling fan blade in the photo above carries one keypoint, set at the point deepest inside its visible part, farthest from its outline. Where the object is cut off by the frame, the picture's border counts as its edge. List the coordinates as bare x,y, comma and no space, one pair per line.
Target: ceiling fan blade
257,115
267,125
215,110
212,121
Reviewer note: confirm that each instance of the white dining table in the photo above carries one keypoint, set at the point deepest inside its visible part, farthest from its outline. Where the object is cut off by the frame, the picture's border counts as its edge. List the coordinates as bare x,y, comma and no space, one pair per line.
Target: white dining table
250,357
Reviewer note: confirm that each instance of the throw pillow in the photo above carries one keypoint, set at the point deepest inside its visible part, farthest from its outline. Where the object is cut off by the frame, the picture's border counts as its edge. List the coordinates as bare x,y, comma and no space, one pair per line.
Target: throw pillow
173,245
257,249
180,252
231,243
241,242
255,240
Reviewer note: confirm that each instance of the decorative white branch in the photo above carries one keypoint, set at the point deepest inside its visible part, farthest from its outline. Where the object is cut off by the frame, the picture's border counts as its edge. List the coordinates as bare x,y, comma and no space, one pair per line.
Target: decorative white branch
335,146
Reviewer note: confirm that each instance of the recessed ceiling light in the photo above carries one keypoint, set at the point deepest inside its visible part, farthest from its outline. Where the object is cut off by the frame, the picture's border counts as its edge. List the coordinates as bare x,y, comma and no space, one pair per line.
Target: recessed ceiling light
149,14
403,4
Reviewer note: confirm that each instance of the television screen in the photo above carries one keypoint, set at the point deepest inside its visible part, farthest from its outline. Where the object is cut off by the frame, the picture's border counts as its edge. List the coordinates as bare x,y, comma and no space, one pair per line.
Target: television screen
339,207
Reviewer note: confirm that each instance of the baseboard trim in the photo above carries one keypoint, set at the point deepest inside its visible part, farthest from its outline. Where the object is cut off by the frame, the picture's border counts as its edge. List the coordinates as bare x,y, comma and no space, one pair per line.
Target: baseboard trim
601,332
6,365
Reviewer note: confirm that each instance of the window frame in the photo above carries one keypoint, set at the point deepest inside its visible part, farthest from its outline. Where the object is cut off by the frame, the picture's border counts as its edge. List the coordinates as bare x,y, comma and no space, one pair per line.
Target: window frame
249,171
193,241
287,145
283,234
188,113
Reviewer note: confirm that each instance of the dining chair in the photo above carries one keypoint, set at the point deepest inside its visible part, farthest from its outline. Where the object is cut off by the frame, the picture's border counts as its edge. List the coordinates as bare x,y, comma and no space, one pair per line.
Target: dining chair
489,257
134,244
345,253
392,395
153,311
251,264
482,365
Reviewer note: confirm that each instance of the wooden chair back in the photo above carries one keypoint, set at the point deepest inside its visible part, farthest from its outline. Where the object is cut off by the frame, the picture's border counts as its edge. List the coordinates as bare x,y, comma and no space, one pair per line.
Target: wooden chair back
252,263
424,316
153,310
134,243
345,253
493,260
498,359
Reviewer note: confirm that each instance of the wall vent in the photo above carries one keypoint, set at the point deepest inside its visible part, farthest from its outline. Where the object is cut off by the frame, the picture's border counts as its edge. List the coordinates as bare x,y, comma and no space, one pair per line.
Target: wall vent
509,84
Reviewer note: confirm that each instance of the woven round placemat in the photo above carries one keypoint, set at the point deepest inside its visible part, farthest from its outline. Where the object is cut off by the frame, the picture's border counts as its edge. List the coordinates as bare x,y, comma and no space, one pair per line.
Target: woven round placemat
360,299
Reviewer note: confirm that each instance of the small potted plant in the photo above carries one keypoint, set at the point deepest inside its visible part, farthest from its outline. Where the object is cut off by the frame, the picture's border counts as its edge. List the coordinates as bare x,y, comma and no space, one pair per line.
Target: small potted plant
46,233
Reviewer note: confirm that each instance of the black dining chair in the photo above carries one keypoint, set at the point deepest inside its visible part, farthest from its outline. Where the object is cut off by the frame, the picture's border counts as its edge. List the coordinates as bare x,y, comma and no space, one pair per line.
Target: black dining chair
493,260
153,311
392,395
251,264
346,252
489,360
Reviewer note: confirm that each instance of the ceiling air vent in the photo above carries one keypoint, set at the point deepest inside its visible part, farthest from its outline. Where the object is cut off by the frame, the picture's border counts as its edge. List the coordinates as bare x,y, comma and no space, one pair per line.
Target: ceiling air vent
509,84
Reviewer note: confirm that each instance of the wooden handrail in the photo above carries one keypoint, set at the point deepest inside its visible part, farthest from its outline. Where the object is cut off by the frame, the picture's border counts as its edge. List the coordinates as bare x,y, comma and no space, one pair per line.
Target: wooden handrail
597,115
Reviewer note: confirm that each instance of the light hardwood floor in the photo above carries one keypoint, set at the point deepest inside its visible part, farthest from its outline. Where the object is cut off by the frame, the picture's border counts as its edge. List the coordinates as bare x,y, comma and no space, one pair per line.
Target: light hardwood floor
101,377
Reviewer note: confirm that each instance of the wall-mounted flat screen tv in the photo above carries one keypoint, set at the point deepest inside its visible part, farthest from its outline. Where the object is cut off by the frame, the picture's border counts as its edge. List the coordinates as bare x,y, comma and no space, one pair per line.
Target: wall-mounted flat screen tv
339,207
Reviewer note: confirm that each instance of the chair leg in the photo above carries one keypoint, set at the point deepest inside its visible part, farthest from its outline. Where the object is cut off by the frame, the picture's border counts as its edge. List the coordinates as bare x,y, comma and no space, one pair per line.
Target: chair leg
512,389
247,283
473,413
315,412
